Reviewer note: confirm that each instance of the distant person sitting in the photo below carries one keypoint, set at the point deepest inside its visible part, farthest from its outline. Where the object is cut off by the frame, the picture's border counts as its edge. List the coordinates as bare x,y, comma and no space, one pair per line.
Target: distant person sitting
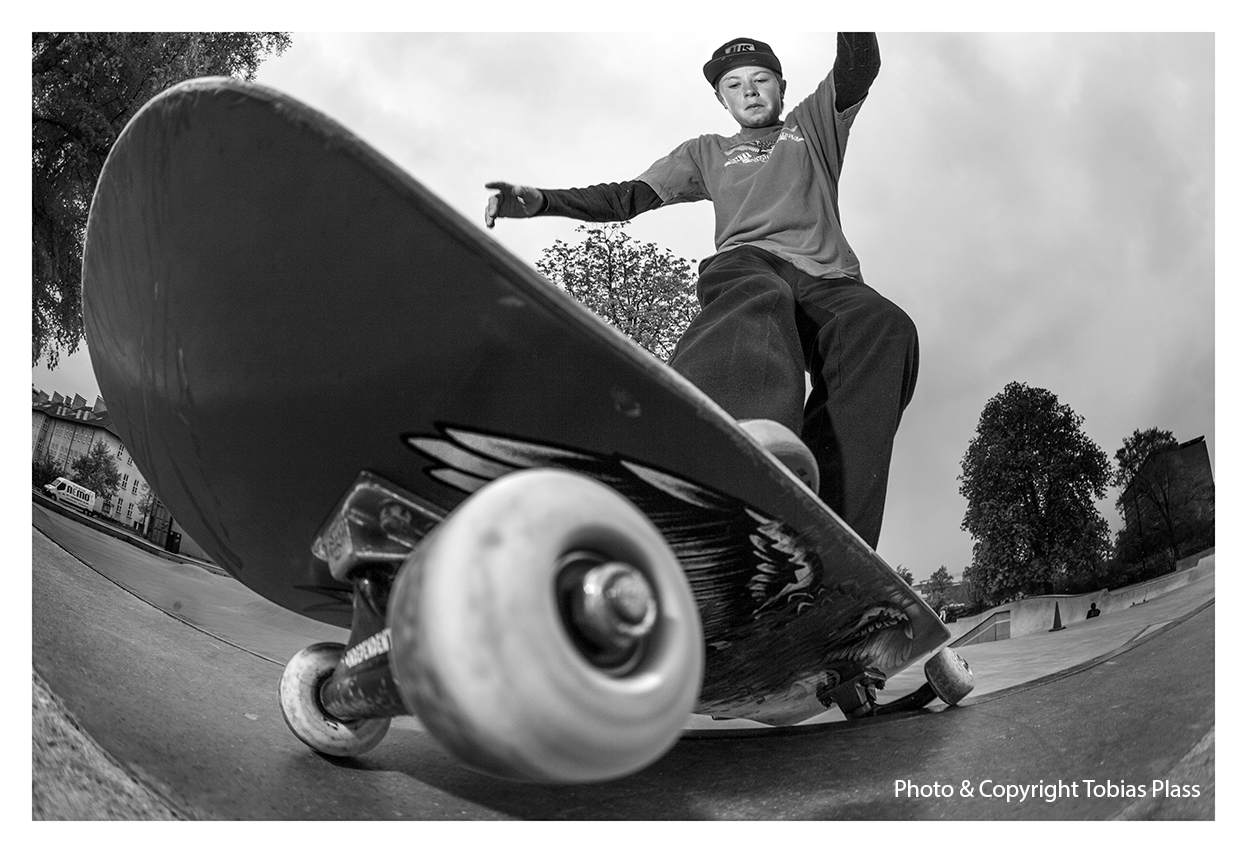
1093,612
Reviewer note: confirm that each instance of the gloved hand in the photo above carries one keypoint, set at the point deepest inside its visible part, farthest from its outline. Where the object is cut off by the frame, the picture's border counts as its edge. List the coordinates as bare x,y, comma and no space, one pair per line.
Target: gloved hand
511,201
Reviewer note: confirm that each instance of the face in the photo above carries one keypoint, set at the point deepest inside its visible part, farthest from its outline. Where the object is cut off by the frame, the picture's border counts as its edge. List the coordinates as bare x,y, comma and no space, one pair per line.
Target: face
752,94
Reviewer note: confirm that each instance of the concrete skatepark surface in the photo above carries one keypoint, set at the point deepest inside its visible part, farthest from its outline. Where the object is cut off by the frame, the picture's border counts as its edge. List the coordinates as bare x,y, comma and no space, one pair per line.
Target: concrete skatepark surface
187,706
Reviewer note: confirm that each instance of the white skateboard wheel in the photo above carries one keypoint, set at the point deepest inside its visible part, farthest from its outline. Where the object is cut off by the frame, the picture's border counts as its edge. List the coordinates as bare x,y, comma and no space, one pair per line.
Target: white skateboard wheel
787,447
299,694
949,676
484,655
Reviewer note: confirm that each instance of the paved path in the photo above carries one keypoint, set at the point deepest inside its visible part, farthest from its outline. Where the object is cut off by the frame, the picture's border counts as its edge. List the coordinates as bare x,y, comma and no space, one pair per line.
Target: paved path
174,670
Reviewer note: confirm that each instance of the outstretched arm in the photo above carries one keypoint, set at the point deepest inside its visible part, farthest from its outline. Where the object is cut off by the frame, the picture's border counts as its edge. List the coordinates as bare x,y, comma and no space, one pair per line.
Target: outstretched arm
857,65
598,203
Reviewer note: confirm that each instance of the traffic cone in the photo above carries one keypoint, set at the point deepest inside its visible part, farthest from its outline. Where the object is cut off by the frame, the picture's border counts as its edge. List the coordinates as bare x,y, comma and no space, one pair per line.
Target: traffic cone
1056,618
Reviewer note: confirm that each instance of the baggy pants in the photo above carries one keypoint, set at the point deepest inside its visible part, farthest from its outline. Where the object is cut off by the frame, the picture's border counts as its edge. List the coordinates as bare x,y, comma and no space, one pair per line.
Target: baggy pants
764,324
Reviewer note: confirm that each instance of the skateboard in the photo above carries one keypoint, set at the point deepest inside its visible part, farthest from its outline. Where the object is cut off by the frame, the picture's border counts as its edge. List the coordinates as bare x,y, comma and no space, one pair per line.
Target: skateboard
546,544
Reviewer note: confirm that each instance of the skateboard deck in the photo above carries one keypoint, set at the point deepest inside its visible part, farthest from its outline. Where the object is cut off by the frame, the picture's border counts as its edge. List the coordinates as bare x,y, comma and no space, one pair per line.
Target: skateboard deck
272,307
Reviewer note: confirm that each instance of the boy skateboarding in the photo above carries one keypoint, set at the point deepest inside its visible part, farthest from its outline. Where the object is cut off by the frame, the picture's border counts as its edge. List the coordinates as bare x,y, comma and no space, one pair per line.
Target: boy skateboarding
525,551
783,294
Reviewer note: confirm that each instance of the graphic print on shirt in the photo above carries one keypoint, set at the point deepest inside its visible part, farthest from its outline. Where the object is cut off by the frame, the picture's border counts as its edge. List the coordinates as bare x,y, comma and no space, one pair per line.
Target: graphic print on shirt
759,150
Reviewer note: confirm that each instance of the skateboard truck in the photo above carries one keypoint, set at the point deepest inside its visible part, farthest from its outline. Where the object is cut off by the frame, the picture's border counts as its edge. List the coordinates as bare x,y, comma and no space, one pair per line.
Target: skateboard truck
603,594
339,700
375,522
948,679
373,529
855,696
609,608
362,685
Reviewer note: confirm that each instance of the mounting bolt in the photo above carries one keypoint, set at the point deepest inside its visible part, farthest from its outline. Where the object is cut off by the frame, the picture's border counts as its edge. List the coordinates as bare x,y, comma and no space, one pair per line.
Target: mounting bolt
617,606
396,519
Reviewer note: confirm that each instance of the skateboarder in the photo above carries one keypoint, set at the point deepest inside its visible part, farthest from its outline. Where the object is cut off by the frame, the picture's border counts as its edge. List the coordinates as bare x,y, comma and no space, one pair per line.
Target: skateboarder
784,293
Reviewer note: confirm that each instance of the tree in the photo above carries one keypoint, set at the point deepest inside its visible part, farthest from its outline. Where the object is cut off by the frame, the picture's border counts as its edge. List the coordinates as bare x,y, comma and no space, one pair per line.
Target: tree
644,291
940,584
86,86
1135,450
97,471
45,470
1031,478
147,501
906,575
1164,504
146,506
972,591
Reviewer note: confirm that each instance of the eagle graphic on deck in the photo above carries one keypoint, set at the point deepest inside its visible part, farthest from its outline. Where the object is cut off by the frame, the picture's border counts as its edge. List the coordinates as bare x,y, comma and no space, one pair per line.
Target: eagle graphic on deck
753,576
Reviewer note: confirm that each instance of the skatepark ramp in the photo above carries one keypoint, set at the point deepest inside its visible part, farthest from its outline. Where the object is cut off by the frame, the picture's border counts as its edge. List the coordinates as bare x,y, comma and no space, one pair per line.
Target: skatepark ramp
1053,612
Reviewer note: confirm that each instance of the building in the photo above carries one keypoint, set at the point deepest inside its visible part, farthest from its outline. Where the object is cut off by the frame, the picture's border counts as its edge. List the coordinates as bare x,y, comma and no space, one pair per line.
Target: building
1170,503
957,593
63,429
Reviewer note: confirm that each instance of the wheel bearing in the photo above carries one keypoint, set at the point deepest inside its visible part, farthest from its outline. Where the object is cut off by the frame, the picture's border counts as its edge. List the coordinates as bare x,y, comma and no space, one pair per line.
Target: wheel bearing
609,609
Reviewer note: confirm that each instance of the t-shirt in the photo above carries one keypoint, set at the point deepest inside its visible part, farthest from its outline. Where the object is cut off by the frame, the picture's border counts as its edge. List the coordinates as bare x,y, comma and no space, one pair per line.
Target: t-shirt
774,187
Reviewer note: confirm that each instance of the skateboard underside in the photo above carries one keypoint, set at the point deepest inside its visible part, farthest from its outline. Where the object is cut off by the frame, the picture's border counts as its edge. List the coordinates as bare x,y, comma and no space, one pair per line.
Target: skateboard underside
273,308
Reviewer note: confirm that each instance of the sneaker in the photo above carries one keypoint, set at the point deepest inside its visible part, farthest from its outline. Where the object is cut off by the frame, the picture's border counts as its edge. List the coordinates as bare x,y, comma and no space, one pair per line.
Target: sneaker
784,445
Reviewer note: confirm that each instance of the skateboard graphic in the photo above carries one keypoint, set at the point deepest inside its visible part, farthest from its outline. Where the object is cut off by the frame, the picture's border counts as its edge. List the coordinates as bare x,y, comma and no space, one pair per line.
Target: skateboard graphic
545,543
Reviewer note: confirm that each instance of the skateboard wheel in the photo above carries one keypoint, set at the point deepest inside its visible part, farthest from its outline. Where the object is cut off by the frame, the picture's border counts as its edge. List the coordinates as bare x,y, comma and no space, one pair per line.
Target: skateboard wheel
949,676
484,653
299,693
787,447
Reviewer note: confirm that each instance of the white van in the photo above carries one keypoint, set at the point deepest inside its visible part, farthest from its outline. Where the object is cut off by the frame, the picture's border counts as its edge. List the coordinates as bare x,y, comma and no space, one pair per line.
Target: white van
68,492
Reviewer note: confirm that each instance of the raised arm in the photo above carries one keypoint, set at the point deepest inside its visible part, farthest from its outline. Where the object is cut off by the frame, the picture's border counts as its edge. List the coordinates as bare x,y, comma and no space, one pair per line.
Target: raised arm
857,65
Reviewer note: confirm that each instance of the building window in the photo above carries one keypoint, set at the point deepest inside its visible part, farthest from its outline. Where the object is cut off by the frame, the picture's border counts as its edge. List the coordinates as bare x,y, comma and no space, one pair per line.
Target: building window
134,490
125,482
129,512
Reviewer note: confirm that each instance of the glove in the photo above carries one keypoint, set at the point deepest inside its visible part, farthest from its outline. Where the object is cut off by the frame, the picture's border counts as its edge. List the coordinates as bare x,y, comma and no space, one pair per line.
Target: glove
512,202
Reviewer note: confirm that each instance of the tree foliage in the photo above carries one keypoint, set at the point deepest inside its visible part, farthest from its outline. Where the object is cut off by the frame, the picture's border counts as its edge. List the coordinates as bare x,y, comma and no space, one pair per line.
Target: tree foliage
44,470
97,471
1031,478
147,501
906,574
941,583
1135,450
645,292
86,86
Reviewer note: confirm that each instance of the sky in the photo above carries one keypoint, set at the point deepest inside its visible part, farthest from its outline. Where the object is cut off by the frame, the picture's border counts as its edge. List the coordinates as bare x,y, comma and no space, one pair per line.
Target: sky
1042,205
